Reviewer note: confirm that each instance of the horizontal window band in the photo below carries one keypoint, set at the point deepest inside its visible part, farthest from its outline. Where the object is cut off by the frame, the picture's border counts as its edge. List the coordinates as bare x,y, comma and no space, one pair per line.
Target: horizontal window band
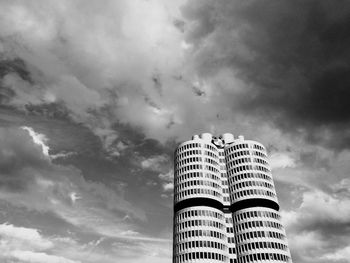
247,203
254,202
198,201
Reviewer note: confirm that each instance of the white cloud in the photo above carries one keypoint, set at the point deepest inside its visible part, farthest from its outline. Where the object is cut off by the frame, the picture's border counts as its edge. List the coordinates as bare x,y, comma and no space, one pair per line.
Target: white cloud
39,139
289,217
310,226
74,197
343,187
281,160
318,207
38,257
27,245
42,140
155,163
325,207
168,177
168,187
16,237
340,254
307,240
61,155
309,245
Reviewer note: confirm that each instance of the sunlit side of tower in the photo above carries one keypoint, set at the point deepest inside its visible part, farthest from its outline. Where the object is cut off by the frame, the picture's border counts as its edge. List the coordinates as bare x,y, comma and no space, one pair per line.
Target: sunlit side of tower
199,219
225,205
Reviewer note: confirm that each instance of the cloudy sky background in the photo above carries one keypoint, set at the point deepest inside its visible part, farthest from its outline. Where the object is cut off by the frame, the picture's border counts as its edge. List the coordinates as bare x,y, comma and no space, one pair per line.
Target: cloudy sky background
95,95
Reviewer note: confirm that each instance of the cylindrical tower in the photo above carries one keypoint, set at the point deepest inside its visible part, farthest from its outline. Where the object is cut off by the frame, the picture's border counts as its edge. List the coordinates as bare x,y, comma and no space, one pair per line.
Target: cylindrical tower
199,220
225,204
259,234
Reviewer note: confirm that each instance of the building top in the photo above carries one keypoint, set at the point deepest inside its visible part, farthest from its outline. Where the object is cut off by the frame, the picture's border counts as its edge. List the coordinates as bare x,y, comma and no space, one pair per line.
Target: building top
226,138
220,141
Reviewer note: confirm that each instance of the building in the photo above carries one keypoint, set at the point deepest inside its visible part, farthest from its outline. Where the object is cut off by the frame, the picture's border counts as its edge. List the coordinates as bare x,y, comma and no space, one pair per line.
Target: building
225,204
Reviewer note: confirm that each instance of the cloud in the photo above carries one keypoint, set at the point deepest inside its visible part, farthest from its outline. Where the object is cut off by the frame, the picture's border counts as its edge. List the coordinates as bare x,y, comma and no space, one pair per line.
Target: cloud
149,250
16,237
281,160
21,244
240,65
113,72
320,211
291,58
62,155
167,187
39,257
341,255
29,179
120,76
318,228
28,245
39,139
274,71
155,163
167,181
167,177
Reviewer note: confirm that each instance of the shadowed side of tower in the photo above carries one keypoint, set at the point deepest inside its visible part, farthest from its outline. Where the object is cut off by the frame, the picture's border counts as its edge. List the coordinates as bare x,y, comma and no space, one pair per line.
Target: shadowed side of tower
259,233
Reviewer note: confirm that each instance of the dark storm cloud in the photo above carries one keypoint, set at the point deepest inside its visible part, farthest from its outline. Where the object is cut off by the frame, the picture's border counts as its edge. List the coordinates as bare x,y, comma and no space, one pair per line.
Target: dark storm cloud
15,65
7,66
292,55
29,179
17,153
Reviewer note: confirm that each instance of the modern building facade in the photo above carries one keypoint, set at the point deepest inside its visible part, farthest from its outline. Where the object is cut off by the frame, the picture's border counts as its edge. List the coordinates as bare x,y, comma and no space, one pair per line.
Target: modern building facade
225,204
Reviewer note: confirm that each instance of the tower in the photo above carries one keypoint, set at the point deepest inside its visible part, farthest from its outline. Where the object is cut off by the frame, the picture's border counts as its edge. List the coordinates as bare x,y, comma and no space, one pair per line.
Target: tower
225,204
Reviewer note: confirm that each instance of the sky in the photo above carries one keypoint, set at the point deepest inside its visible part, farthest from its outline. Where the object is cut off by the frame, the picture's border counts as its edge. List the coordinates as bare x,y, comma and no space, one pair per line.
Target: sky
96,95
